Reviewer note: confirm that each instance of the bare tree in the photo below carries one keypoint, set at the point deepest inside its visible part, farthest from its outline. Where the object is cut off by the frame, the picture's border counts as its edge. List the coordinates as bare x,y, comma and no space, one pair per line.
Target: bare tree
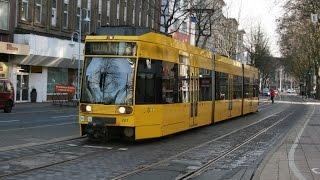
173,13
259,52
207,15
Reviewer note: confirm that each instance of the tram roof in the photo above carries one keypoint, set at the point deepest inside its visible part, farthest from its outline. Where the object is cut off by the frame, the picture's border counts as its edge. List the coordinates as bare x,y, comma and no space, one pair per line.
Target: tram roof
145,35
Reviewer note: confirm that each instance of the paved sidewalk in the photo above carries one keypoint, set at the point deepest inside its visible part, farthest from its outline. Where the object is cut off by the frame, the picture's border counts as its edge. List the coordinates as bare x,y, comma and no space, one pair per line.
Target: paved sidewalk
298,156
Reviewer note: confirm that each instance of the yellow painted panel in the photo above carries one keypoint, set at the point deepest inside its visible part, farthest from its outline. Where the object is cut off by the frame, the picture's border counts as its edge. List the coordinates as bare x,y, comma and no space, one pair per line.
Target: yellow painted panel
176,113
144,132
204,113
147,115
247,106
236,108
221,111
228,67
174,128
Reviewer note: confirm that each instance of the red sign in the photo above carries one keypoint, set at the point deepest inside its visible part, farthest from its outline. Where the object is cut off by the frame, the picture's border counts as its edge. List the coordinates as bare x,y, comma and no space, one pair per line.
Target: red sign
65,89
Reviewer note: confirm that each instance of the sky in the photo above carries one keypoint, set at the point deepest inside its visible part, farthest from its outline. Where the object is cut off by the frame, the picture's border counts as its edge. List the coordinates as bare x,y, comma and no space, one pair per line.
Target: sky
251,13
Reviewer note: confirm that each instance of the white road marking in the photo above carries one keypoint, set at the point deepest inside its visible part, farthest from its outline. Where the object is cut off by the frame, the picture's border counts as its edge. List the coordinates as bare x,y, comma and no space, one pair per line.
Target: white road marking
57,117
292,165
314,170
72,145
9,121
123,149
291,102
50,110
34,127
98,147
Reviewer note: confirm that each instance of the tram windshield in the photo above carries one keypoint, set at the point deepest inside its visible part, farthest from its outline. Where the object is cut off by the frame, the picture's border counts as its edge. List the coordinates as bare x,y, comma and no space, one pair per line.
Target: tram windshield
108,81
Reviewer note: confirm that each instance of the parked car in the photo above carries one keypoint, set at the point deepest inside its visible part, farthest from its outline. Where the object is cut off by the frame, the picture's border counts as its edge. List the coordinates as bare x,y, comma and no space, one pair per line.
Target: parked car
291,91
266,92
6,95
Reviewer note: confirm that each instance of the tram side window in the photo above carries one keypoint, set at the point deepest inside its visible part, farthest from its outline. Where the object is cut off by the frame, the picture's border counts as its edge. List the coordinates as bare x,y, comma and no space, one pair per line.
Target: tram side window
256,88
205,84
237,87
169,82
184,83
247,86
222,85
148,83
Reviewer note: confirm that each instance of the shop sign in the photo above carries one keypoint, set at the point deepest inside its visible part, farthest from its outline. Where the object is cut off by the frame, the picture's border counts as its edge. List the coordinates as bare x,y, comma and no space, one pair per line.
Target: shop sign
65,89
11,48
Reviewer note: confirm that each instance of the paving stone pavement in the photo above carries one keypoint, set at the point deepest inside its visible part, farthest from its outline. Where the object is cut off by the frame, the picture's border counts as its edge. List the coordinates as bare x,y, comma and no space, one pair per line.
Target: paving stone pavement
298,157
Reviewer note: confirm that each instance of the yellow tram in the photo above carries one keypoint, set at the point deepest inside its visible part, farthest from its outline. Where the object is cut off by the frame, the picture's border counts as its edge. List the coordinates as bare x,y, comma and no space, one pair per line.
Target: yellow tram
145,85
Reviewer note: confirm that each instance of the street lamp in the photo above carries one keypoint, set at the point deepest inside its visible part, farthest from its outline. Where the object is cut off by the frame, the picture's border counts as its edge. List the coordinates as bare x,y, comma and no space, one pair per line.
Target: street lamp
86,19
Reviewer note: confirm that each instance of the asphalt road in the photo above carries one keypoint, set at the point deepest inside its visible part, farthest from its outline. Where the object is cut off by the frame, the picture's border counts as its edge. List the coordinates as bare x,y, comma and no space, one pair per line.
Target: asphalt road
36,123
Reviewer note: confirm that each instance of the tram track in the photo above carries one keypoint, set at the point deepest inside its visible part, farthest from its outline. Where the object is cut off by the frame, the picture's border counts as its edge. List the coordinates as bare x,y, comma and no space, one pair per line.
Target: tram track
204,167
86,150
143,168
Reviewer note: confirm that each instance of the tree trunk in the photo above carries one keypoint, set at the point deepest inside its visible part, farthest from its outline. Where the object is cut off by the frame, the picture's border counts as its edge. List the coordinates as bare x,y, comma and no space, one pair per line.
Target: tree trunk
317,86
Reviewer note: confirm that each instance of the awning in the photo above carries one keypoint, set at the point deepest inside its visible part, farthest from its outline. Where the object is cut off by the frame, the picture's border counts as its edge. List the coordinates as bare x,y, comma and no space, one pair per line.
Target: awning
46,61
11,48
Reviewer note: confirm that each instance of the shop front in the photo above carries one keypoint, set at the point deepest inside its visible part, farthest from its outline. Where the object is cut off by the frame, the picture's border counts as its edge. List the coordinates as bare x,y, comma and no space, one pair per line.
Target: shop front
51,62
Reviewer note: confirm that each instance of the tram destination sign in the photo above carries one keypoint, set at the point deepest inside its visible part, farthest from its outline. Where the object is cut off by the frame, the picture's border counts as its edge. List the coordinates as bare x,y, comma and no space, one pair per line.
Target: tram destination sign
111,48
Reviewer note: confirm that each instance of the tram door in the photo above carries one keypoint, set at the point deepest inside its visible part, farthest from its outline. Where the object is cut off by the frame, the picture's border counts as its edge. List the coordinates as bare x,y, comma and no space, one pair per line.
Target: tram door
230,105
194,95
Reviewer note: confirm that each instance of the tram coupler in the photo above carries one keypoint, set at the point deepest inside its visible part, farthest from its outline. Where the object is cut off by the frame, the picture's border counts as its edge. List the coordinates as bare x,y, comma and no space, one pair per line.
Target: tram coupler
97,131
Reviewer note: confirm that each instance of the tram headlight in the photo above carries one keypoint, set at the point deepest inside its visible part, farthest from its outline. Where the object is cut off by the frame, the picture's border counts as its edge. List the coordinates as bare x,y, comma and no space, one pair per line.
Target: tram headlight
81,118
88,108
122,110
125,110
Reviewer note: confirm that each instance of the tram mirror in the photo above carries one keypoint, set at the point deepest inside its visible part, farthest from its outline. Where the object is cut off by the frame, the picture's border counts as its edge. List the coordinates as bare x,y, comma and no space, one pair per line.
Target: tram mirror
148,63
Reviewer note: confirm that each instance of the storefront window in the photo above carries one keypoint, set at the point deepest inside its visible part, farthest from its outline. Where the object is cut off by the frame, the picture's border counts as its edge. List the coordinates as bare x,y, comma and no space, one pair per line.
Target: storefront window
38,11
4,14
56,76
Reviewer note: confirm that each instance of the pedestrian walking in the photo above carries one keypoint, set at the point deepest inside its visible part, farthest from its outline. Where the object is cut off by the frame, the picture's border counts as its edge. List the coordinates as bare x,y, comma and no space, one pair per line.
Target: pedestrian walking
272,94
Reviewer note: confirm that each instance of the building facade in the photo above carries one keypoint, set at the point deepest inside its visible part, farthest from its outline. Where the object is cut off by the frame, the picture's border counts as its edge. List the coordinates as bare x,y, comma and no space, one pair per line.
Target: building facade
47,28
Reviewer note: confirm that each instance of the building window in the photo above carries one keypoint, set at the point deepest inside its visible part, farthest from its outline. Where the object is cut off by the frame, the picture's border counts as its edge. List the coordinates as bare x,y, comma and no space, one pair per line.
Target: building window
133,13
118,10
140,17
53,12
88,15
65,14
184,27
78,13
25,10
4,15
125,11
99,13
38,11
108,8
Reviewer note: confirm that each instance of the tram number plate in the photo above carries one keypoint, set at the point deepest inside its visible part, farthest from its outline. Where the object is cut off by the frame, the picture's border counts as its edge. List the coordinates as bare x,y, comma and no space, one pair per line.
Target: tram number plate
104,120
